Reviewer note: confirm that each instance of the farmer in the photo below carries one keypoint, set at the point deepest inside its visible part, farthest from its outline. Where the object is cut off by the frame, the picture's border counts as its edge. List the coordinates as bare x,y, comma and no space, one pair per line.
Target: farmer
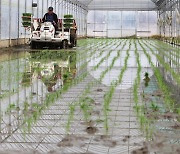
51,17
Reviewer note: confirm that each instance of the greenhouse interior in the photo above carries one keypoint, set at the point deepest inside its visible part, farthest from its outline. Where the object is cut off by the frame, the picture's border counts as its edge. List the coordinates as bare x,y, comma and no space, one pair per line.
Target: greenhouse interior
90,76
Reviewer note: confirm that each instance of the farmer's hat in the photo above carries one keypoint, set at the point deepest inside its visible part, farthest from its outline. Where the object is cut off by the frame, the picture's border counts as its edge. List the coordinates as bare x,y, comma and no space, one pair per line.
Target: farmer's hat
50,8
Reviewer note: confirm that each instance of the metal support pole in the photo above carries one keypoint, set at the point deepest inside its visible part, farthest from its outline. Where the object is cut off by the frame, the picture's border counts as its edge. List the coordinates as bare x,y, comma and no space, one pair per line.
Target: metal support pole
10,11
77,20
18,21
62,9
79,14
67,5
136,20
0,18
37,8
55,6
42,8
58,12
86,13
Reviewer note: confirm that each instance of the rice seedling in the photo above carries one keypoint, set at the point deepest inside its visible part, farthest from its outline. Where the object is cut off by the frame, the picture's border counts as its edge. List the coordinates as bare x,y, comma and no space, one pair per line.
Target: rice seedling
10,108
86,108
104,58
112,63
138,78
83,101
26,106
71,115
110,92
146,79
50,99
167,98
165,53
165,46
154,106
165,65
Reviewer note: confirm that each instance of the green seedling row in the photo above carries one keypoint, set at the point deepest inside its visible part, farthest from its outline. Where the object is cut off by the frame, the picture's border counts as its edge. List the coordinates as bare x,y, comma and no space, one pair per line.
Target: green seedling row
109,94
167,95
172,50
175,75
85,107
113,61
52,97
140,111
164,53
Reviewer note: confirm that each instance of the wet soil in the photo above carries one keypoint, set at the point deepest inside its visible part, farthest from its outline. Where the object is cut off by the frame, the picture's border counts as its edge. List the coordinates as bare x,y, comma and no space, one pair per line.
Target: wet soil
158,145
106,141
126,138
91,130
99,90
72,140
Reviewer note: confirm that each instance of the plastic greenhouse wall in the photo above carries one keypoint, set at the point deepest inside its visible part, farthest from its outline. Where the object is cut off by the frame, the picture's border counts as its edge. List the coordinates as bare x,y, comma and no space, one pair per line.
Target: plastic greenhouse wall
11,12
168,19
121,23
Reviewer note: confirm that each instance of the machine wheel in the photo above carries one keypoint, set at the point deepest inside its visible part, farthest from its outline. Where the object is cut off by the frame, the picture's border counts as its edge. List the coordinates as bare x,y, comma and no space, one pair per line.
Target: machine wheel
75,42
61,45
33,45
65,44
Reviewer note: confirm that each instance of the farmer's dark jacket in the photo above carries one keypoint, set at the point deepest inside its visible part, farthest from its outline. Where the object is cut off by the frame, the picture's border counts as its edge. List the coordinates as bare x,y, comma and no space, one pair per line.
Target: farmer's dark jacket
55,18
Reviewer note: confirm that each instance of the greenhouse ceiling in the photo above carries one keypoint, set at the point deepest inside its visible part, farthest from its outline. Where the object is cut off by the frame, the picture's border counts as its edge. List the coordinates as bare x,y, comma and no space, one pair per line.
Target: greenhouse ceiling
119,4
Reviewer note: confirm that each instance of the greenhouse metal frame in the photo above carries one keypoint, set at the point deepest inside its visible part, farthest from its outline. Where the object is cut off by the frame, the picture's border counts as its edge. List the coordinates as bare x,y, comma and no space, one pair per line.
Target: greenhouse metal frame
116,92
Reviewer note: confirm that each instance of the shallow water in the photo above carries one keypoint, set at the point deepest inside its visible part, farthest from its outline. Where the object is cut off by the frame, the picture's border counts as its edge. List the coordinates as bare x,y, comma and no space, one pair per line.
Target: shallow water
27,77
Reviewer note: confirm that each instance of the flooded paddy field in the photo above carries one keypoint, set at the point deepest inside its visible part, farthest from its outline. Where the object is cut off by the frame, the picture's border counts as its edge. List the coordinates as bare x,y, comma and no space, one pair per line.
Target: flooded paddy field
104,96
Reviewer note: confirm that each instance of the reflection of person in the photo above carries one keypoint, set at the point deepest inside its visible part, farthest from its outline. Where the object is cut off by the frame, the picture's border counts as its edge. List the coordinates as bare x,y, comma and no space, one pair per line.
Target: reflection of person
51,17
53,80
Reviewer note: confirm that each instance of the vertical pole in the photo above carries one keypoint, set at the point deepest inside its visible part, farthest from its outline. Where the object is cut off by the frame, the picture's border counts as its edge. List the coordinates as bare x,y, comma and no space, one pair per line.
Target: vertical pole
136,20
25,12
55,6
74,12
18,21
10,22
18,82
37,8
67,7
121,23
70,8
79,15
148,22
58,9
83,21
77,19
86,13
0,18
0,102
62,9
42,8
9,86
107,14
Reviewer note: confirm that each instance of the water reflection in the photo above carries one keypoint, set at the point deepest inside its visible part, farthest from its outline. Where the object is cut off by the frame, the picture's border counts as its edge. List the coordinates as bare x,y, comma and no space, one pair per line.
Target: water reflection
26,79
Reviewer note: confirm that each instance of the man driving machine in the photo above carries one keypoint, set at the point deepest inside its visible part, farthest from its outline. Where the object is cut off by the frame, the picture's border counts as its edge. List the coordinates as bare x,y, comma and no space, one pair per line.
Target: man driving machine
50,16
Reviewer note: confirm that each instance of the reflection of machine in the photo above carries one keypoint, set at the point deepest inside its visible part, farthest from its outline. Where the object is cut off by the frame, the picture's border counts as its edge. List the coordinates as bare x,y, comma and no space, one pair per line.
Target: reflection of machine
45,35
54,73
